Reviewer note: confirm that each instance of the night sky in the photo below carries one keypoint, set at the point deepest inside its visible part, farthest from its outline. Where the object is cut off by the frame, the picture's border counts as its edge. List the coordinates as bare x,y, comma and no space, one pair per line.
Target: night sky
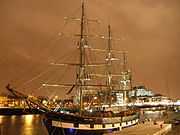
149,30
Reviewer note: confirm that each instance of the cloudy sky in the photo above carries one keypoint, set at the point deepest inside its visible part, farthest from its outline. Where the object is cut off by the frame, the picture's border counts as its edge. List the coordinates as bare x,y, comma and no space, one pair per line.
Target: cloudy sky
150,29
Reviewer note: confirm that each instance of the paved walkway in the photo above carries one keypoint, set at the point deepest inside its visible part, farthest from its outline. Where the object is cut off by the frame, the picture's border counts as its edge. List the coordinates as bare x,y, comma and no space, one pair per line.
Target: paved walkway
148,128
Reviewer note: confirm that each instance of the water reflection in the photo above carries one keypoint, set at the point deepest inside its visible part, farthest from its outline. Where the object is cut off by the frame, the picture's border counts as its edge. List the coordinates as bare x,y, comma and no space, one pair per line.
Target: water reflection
22,125
13,118
28,119
1,119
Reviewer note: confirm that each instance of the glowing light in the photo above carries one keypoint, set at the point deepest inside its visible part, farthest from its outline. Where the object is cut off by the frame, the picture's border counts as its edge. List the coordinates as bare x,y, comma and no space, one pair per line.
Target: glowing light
1,119
61,111
29,119
44,102
13,117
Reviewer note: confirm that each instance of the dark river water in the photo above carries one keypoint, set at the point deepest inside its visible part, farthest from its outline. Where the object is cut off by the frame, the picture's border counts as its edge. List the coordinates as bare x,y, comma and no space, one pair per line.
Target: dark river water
32,125
22,125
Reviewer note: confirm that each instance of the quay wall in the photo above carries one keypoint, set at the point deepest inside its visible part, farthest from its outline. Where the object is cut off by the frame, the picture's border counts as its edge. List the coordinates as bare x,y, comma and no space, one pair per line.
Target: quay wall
166,128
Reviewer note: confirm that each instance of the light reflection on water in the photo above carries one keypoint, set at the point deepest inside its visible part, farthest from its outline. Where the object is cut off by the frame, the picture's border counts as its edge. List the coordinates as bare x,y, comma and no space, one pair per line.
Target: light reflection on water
22,125
28,119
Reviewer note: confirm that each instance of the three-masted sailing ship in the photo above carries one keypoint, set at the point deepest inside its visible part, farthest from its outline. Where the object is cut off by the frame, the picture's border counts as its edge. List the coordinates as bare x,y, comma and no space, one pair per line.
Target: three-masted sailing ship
103,117
89,118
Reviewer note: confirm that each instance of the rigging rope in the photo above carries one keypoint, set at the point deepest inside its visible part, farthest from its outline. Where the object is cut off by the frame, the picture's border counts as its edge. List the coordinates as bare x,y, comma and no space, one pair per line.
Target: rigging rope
36,77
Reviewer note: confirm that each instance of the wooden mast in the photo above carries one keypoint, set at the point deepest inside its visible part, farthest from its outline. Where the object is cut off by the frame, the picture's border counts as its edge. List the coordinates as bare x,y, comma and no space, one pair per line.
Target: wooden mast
81,74
109,64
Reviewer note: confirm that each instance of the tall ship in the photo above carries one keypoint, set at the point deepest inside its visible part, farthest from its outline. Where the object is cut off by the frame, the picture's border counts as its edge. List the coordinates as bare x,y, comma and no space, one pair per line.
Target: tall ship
97,107
87,117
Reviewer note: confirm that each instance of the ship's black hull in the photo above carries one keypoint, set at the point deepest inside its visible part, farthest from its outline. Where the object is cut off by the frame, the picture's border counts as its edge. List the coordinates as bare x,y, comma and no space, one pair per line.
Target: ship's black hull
72,131
65,124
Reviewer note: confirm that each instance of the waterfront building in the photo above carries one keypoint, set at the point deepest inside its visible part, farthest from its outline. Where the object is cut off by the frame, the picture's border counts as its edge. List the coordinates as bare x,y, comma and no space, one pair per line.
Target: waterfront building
8,101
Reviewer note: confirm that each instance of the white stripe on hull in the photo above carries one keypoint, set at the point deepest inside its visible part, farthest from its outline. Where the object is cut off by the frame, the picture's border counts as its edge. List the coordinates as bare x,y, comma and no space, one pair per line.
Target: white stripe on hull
95,126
